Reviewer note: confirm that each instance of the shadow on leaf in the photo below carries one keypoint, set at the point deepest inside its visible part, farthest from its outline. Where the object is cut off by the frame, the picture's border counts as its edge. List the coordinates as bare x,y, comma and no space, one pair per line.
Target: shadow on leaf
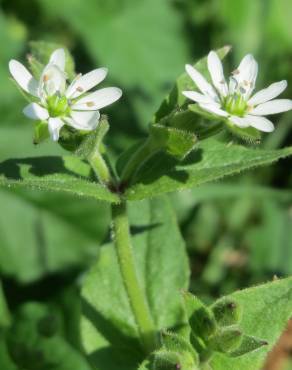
162,164
122,353
12,168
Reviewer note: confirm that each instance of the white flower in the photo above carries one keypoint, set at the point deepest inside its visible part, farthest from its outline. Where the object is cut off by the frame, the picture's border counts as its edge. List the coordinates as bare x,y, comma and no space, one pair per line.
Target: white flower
234,101
59,104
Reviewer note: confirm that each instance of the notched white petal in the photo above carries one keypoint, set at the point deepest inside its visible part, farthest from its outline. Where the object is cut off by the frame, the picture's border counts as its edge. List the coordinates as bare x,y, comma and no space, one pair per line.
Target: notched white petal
260,123
35,111
55,125
197,97
58,58
86,82
272,107
52,81
23,77
215,109
216,72
269,93
98,99
83,120
241,122
201,82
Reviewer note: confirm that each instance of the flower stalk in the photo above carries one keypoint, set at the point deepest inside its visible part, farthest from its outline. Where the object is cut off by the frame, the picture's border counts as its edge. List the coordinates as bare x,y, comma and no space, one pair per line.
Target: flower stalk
126,260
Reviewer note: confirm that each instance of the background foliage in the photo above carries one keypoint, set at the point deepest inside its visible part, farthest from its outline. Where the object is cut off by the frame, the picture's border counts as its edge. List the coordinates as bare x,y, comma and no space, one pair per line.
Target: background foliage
238,232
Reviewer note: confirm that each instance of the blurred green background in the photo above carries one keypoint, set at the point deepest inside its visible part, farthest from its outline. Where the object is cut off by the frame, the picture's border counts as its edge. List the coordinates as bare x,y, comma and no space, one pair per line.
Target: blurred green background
238,232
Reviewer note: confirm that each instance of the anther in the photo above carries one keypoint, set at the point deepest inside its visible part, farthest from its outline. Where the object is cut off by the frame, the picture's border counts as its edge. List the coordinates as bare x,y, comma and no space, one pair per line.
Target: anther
235,72
79,88
46,78
90,103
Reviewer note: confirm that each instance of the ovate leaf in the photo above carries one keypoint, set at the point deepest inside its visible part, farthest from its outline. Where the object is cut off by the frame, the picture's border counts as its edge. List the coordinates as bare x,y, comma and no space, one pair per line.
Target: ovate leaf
58,174
212,160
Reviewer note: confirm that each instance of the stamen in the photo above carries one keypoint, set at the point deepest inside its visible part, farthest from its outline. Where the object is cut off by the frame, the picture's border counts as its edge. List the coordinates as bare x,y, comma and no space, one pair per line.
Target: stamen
246,83
222,82
46,78
235,72
79,88
90,104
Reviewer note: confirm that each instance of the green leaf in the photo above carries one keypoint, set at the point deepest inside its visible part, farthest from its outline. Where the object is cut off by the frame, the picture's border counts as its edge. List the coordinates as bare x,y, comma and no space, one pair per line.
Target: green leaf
176,142
212,160
31,350
176,99
55,238
266,311
108,327
58,174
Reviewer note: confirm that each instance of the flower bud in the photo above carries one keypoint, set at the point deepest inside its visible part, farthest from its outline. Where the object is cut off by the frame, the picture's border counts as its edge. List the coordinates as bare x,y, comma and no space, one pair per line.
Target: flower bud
226,340
227,311
201,319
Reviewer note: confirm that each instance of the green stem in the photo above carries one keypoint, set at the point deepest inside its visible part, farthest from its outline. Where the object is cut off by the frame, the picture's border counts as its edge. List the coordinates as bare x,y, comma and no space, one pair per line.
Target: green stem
100,168
126,261
138,158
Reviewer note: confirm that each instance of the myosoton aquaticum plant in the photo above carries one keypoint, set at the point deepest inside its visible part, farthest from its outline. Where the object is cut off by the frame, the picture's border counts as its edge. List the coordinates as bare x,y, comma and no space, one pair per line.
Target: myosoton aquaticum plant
137,312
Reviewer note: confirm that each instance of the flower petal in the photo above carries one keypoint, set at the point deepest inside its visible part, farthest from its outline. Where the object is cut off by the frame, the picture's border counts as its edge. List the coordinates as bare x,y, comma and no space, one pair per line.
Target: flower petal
241,122
35,111
55,125
58,59
214,108
260,123
216,71
53,80
23,77
98,99
269,93
197,97
86,82
83,120
272,107
201,82
246,75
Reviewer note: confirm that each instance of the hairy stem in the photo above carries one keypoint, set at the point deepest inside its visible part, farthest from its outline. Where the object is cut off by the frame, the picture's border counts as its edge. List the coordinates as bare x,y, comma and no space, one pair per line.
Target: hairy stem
100,168
126,261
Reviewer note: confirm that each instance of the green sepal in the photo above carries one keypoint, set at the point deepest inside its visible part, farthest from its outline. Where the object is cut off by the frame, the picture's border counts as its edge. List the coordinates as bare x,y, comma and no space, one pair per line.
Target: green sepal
40,55
92,143
201,318
226,340
70,139
167,360
249,134
248,344
227,311
176,343
41,132
35,66
175,142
